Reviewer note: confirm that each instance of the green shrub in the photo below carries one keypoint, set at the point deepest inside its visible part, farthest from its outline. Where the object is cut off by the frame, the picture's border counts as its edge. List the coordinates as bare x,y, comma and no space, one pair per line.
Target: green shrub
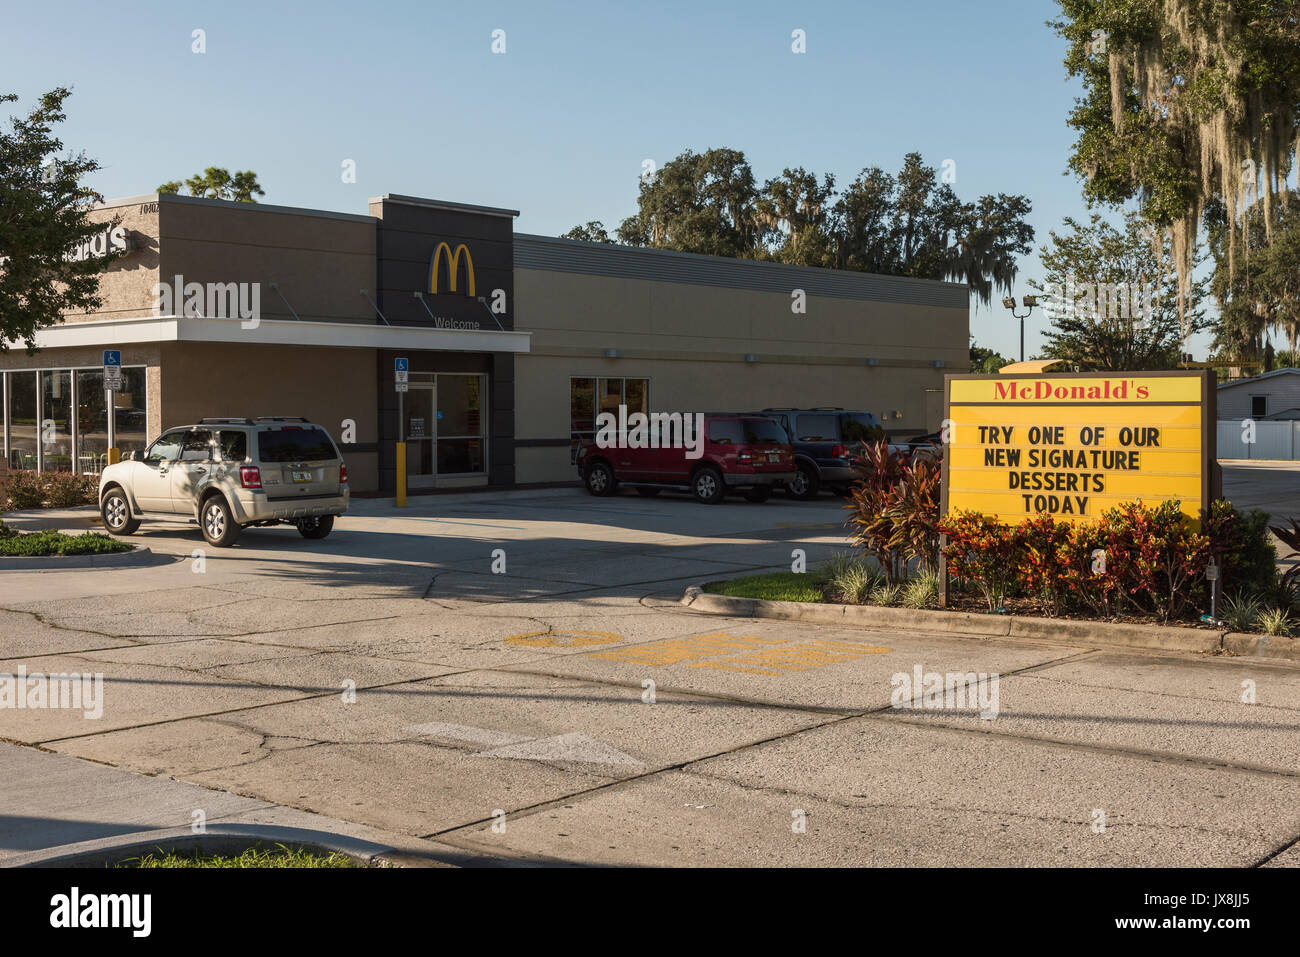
1275,621
52,542
921,591
1241,611
65,490
23,489
853,582
886,593
30,489
1241,543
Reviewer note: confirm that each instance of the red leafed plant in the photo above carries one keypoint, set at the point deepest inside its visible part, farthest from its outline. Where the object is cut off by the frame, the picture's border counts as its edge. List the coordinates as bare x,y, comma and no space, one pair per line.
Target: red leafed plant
984,552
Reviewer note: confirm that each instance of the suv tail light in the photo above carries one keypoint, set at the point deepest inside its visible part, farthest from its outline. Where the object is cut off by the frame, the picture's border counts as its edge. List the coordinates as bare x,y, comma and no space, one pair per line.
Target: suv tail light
343,473
839,452
250,476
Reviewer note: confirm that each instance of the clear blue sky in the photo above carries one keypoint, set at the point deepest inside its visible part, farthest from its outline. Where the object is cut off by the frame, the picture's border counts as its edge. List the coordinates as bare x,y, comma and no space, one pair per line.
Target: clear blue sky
559,125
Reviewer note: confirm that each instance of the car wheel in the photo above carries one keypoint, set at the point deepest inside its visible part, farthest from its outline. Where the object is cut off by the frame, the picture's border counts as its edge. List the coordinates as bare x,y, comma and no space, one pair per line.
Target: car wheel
218,525
648,492
317,526
600,479
115,510
759,493
805,484
707,486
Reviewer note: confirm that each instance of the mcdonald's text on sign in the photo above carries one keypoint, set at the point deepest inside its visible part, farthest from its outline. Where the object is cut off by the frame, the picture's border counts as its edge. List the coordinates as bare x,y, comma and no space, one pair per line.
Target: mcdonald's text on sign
1072,446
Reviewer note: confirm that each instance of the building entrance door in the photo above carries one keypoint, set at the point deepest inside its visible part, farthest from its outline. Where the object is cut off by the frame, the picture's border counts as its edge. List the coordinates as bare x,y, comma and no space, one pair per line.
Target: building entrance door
419,431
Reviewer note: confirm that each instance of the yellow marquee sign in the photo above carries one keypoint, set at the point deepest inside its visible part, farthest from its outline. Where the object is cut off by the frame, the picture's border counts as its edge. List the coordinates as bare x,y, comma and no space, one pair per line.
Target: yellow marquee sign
1074,445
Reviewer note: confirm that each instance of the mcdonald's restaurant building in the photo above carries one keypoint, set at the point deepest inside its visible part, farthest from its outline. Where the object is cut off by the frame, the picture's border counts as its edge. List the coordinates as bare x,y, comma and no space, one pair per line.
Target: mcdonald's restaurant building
512,343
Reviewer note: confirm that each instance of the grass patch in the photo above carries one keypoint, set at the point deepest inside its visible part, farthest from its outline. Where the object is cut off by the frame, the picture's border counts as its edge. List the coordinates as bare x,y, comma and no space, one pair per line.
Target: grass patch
52,542
777,586
254,857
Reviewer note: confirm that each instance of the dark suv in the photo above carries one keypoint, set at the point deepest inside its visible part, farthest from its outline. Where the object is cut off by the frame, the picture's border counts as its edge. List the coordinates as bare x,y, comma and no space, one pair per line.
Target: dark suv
823,441
744,453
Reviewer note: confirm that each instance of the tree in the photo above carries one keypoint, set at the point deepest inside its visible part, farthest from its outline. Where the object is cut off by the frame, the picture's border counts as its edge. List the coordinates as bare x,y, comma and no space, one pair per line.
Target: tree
43,217
1186,102
909,225
217,183
592,232
697,203
794,211
986,361
1262,294
1111,299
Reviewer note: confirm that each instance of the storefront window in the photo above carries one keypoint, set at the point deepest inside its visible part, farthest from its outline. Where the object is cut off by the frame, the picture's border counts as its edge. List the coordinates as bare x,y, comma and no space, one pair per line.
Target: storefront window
92,422
22,420
608,394
461,426
72,431
130,421
56,422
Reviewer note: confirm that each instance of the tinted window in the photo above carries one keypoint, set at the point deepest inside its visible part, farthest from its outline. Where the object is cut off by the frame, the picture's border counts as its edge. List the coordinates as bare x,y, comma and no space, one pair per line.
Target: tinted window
198,446
818,427
725,432
166,448
762,432
233,445
294,445
862,427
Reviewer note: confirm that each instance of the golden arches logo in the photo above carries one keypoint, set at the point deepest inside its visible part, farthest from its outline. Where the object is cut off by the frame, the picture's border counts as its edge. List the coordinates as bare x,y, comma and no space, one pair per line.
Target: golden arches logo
453,268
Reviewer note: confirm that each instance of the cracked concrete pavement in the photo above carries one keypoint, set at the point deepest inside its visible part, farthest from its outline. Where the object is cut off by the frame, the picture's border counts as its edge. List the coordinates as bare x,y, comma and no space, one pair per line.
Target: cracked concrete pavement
387,681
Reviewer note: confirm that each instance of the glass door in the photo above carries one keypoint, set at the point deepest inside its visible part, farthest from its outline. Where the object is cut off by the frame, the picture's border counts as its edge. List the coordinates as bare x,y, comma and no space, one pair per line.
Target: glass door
419,431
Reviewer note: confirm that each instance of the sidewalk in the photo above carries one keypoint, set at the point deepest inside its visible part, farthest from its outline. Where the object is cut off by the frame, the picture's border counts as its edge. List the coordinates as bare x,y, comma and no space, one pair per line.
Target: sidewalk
51,805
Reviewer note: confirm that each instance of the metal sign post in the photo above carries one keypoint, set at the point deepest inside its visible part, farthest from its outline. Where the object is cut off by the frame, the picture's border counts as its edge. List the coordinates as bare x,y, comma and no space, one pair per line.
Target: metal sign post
112,385
401,370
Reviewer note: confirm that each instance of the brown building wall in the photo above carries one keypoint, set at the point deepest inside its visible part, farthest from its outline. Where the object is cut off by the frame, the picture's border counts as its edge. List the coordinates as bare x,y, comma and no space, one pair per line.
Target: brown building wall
325,385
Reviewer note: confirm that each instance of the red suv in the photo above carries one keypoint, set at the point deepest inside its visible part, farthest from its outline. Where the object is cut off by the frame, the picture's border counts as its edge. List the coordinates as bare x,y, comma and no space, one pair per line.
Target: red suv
747,453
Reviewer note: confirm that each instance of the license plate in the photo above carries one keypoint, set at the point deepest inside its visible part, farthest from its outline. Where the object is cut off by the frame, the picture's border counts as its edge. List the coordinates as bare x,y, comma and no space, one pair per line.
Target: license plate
300,476
774,456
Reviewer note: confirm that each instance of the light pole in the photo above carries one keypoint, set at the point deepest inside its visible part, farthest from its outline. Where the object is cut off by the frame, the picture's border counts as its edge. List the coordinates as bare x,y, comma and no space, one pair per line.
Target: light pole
1029,303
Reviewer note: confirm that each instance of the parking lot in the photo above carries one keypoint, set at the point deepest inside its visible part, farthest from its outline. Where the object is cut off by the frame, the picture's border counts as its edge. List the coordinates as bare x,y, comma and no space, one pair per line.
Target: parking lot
527,687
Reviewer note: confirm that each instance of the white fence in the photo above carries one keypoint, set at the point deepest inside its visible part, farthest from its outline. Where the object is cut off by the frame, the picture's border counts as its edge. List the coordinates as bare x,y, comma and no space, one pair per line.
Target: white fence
1273,440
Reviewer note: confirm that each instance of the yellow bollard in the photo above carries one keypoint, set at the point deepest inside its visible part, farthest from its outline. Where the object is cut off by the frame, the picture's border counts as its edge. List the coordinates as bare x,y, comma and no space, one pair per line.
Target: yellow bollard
401,475
114,456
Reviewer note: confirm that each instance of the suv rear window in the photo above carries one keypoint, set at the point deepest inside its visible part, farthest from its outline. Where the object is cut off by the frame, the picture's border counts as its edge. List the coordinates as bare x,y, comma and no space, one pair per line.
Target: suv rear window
294,445
818,427
746,432
862,427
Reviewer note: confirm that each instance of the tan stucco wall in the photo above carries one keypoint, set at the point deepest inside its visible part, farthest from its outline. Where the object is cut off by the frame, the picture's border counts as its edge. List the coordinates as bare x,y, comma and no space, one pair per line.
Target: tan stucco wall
126,286
690,342
324,385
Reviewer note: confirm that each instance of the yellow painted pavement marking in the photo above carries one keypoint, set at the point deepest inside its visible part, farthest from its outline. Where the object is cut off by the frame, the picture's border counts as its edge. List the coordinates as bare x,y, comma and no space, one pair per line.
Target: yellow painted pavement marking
563,639
748,654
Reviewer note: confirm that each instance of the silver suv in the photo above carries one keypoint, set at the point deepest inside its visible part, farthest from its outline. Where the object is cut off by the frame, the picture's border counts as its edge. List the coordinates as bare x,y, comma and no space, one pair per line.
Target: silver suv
228,474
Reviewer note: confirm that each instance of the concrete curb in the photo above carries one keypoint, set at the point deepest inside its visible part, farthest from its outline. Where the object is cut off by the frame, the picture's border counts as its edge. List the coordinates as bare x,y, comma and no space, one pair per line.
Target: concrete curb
1060,630
138,558
218,839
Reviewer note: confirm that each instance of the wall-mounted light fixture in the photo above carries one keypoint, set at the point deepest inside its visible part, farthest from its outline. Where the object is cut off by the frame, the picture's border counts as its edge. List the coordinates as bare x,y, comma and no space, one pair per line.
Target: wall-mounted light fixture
937,363
750,357
873,362
611,353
